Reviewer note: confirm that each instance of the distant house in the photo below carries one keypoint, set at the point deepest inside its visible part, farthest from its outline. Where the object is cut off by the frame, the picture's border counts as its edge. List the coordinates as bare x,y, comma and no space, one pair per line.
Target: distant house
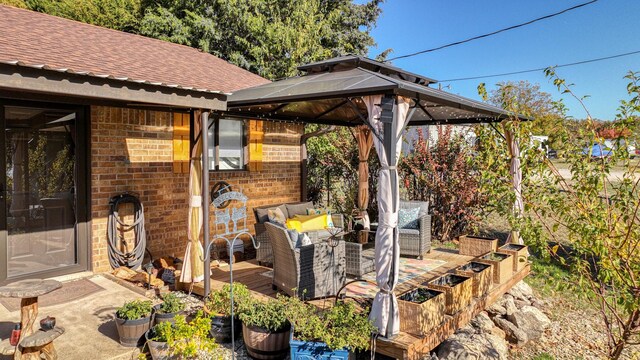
89,113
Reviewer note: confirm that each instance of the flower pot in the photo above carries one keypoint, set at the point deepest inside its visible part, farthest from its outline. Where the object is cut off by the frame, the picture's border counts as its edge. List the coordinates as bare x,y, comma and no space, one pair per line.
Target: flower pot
421,310
131,331
476,245
158,317
457,290
158,349
502,266
265,345
304,350
520,253
481,276
221,328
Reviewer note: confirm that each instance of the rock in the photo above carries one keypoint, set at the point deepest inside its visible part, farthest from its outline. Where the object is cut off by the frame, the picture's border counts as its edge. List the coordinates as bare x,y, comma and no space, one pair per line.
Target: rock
520,303
510,306
496,309
475,346
482,322
498,332
513,334
468,330
523,288
537,303
531,321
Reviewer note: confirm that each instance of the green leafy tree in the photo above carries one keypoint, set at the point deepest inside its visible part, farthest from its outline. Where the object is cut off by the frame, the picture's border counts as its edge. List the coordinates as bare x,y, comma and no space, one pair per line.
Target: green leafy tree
270,38
16,3
114,14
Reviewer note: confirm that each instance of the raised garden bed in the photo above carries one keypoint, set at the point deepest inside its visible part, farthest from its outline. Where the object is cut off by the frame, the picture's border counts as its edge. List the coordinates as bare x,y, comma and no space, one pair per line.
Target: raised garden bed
457,290
520,253
481,276
477,245
421,310
502,266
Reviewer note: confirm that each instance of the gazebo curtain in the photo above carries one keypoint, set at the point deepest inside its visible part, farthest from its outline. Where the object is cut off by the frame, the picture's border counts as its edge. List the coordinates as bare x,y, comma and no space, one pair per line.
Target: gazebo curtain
384,311
365,142
193,269
516,179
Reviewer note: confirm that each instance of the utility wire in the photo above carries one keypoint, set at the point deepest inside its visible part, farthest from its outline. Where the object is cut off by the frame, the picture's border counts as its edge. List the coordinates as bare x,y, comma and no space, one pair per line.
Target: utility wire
542,68
493,33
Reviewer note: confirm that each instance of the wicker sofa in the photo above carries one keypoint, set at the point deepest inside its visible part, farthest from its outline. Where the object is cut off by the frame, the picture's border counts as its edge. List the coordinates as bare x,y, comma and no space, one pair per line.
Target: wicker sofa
416,242
264,254
310,271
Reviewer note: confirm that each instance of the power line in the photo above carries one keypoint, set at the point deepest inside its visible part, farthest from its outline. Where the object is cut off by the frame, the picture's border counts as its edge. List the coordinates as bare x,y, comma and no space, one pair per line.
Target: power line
493,33
542,68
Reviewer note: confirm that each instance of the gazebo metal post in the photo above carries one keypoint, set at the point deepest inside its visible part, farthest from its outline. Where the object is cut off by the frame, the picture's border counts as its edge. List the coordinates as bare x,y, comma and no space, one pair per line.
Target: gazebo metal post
205,200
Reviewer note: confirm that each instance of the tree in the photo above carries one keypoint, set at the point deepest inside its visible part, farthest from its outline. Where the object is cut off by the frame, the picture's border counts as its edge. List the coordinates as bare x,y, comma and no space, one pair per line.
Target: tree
16,3
527,99
270,38
120,15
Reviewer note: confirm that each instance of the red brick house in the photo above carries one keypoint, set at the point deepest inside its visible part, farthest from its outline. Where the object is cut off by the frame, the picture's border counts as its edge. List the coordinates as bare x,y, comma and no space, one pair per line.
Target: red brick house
89,113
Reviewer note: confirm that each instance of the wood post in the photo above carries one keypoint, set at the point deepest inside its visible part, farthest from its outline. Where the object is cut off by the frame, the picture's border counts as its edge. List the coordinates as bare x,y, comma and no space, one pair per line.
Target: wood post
28,316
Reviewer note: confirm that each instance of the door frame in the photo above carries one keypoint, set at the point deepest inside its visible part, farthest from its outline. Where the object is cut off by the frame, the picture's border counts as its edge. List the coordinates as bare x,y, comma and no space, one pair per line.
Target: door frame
83,195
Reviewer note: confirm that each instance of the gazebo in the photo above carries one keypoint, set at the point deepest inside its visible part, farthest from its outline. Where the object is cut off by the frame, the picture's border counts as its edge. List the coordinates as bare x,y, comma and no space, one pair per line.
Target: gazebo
357,91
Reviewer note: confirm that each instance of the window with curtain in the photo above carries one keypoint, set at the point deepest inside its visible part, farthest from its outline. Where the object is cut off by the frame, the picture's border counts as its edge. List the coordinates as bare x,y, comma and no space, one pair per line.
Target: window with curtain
227,140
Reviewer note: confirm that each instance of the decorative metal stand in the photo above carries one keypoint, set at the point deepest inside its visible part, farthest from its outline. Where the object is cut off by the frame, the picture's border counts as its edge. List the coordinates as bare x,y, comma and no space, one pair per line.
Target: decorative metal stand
222,195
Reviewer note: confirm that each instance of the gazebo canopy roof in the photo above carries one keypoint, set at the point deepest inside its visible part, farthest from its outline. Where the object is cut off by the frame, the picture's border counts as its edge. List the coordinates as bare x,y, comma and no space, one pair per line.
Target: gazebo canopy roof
330,93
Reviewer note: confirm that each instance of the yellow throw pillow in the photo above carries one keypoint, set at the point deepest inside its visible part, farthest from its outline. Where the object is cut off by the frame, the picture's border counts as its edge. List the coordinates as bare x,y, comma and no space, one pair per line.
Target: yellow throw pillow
311,211
294,224
311,222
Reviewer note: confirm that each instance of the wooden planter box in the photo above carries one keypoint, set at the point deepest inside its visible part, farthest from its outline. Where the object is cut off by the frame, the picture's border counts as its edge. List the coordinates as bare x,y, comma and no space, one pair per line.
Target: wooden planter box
476,245
502,266
481,276
457,290
419,316
520,253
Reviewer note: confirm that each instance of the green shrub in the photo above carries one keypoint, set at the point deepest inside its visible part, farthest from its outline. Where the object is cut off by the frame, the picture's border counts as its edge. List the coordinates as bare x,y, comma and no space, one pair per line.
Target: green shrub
219,301
269,315
134,310
171,304
189,340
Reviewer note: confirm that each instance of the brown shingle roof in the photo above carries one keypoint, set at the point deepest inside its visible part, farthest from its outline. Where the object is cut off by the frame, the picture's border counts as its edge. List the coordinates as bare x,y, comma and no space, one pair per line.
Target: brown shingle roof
35,39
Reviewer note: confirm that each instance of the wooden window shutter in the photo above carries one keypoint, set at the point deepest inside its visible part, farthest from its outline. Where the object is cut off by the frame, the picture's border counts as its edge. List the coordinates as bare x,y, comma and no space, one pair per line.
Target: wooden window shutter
181,143
256,138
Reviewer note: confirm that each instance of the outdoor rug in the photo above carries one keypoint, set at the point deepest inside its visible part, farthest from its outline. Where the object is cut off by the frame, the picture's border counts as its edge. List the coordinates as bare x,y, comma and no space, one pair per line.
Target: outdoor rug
70,291
409,269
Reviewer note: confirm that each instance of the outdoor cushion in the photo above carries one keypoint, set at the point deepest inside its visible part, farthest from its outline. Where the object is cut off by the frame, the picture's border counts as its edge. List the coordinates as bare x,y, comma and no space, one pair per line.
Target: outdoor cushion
408,218
423,205
304,223
312,211
277,216
298,209
298,239
263,213
409,231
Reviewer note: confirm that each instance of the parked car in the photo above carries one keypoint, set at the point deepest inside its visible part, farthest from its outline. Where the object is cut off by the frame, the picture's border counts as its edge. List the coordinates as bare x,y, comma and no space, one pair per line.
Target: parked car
597,151
552,154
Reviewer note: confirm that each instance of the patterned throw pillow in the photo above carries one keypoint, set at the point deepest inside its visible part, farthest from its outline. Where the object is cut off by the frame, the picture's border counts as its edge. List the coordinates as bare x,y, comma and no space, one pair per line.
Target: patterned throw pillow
298,239
408,218
277,216
321,212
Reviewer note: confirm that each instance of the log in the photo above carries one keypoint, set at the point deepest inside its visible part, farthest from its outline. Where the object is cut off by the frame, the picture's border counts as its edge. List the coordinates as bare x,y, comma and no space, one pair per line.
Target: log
28,316
49,352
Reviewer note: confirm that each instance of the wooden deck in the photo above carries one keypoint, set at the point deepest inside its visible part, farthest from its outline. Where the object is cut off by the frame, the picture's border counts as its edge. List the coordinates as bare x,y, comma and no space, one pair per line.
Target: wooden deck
404,345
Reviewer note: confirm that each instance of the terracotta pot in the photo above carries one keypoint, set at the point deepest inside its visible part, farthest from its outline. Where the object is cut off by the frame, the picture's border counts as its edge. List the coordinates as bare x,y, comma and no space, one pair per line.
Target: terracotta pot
264,345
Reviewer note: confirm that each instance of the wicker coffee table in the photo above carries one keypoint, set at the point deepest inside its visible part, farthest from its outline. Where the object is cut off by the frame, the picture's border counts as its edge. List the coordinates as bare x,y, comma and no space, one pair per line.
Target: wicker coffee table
360,258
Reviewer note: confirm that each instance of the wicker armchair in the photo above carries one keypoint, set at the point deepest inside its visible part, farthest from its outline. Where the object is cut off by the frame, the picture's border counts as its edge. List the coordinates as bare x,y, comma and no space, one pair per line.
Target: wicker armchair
416,242
312,271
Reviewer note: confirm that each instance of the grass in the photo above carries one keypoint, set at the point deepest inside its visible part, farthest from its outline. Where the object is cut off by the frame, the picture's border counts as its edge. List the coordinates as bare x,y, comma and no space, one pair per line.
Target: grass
543,356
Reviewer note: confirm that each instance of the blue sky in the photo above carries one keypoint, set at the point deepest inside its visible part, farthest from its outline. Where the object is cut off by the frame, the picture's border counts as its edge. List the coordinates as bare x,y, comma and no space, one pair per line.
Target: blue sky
604,28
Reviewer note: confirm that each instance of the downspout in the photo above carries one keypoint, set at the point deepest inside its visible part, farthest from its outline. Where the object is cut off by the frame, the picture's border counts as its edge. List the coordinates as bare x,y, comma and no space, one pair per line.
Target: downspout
304,171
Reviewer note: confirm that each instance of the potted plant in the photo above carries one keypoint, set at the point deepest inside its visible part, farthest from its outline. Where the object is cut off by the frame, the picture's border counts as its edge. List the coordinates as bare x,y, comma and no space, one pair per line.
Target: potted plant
133,319
168,309
421,310
266,330
218,307
183,340
476,245
502,266
326,334
457,290
157,340
481,276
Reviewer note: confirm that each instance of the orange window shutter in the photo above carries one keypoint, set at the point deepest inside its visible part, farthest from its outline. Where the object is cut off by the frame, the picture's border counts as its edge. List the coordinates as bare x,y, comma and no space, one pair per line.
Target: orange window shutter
256,138
180,143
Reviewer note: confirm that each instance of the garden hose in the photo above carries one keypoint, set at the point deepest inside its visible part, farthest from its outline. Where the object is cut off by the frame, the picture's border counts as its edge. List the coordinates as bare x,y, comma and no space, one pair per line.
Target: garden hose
115,236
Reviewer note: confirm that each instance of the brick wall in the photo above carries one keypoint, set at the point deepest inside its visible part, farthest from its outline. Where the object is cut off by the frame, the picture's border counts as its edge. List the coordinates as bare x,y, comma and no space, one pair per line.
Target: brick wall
131,150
